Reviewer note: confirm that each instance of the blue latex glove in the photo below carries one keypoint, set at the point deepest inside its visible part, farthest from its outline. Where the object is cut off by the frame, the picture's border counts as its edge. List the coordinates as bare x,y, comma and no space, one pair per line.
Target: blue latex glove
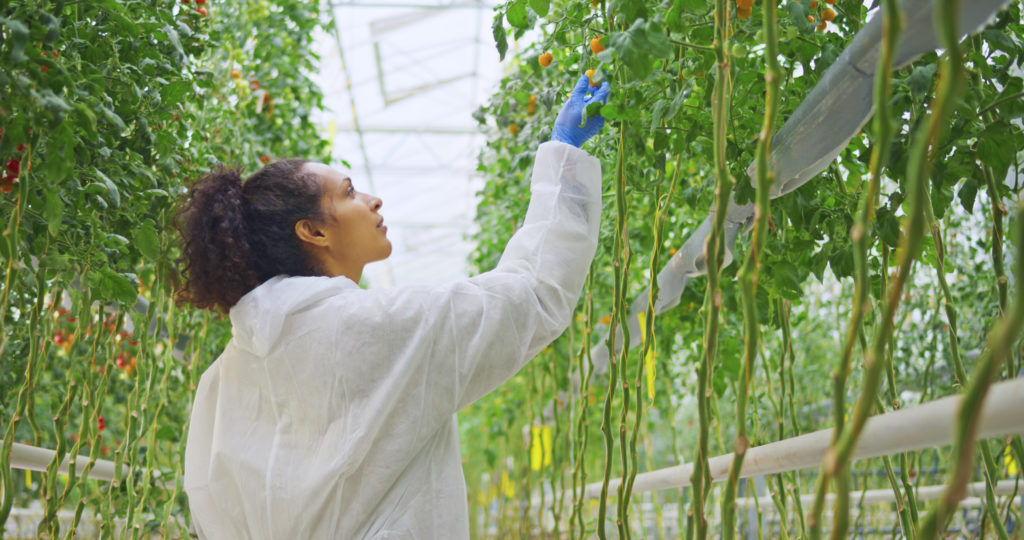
567,126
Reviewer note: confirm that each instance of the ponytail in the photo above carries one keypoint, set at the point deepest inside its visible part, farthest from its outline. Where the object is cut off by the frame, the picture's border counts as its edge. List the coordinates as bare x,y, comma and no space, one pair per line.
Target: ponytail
236,235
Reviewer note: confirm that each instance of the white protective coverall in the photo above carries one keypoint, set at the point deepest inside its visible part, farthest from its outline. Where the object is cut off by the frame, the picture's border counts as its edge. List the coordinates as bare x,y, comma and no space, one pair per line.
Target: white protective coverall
331,412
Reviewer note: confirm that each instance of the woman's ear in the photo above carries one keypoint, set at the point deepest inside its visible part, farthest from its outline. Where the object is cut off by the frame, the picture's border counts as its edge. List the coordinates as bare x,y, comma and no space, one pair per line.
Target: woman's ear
310,232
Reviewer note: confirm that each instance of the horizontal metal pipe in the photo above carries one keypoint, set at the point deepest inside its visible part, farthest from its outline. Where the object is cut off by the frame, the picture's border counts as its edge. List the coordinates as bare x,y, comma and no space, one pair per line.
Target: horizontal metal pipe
872,496
904,430
33,458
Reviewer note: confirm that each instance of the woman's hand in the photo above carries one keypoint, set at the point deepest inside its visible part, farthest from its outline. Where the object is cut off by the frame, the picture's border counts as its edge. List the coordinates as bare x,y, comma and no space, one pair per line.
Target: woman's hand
568,128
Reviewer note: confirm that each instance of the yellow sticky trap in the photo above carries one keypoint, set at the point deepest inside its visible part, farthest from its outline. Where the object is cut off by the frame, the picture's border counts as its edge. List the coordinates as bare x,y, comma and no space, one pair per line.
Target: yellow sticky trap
507,488
1010,463
28,479
332,128
649,365
540,447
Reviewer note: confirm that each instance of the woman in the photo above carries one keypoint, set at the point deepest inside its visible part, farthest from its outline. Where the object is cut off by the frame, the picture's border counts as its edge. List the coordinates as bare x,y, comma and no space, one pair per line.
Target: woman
331,412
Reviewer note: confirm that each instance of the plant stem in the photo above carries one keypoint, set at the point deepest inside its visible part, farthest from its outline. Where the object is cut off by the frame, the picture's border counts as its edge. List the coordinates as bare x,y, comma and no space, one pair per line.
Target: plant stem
748,274
883,127
701,479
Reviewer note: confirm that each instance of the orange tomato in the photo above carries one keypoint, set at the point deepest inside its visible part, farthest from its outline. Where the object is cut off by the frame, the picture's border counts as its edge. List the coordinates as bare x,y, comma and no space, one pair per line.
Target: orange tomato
590,76
595,45
545,59
828,14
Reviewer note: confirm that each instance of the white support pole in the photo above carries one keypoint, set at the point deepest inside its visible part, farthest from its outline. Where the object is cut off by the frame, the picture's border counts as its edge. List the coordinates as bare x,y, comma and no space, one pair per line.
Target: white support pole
914,428
33,458
872,496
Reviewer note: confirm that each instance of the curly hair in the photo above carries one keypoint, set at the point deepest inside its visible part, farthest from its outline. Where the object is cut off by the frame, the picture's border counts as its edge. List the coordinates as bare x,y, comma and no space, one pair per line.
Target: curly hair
237,234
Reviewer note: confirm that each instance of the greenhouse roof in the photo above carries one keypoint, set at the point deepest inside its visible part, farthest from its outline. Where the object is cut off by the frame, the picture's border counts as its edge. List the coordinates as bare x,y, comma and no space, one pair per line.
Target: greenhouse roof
400,81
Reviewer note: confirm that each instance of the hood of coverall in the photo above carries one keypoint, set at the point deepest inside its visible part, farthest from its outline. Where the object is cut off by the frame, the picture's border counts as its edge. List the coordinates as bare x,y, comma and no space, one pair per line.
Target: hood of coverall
259,316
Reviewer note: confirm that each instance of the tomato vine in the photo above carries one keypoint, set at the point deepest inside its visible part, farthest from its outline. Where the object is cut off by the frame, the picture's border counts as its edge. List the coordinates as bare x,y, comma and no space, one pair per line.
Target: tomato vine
690,98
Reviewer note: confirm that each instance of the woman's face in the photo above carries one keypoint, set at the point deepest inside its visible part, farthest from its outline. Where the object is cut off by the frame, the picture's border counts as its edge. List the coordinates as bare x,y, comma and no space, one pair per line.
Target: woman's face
352,232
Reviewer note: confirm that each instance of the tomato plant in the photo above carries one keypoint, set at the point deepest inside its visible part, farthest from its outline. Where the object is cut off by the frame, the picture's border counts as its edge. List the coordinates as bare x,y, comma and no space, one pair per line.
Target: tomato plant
754,353
97,140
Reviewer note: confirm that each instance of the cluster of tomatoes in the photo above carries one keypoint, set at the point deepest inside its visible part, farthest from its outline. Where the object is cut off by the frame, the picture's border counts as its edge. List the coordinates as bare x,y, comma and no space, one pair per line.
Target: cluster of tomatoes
596,47
744,9
267,101
827,15
200,6
545,59
128,347
11,170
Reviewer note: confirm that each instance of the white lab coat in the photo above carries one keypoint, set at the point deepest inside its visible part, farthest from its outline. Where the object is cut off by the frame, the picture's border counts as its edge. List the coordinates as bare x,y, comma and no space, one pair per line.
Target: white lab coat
331,412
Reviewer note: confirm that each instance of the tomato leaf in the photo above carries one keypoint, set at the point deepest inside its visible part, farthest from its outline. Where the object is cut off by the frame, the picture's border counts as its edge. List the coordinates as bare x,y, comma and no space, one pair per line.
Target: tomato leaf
517,15
113,196
19,38
540,7
638,44
146,240
106,284
920,81
500,37
968,192
113,118
53,211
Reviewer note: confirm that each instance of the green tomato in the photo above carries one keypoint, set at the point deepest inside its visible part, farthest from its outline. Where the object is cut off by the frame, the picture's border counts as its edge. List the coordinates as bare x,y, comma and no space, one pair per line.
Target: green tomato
791,32
738,50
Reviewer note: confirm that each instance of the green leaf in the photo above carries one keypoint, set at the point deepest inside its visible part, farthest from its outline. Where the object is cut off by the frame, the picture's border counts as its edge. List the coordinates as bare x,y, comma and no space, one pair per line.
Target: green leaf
166,433
634,48
88,115
18,34
841,261
146,240
106,284
888,227
1000,41
968,192
657,38
500,37
113,118
53,211
787,280
517,15
113,196
55,261
172,36
52,102
920,81
993,145
540,7
174,92
657,113
798,12
611,112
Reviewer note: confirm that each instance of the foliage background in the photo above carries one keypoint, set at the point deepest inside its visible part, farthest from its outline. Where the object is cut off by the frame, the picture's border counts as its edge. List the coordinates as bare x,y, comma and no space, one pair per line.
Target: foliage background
108,107
660,127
